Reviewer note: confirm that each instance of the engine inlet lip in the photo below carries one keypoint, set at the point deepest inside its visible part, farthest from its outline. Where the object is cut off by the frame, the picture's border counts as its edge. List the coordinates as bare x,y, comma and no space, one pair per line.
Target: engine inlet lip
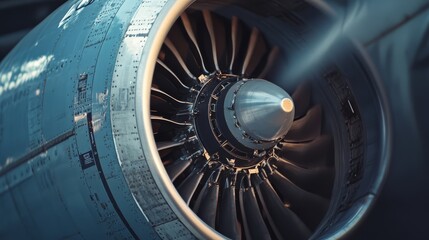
171,11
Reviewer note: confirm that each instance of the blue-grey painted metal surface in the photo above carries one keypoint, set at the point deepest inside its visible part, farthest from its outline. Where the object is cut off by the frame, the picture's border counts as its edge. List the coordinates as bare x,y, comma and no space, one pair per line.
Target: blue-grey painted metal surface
60,177
72,163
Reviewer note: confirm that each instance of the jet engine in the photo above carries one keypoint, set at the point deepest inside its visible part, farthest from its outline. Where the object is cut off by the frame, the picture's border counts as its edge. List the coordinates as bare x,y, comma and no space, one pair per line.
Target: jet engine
163,119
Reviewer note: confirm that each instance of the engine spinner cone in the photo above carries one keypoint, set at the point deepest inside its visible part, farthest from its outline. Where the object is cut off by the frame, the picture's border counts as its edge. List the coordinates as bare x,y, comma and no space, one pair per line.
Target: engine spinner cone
258,113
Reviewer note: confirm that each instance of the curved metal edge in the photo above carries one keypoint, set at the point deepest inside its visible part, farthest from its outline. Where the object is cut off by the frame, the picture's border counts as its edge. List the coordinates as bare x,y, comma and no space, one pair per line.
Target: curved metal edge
145,73
367,202
364,204
386,117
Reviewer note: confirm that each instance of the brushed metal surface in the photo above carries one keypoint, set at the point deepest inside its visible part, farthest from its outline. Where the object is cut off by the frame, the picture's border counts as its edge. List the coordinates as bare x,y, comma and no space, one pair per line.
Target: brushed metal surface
260,109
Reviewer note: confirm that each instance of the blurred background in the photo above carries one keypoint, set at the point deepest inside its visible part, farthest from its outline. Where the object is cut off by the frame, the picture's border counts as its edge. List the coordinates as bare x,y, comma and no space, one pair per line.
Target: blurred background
402,210
18,17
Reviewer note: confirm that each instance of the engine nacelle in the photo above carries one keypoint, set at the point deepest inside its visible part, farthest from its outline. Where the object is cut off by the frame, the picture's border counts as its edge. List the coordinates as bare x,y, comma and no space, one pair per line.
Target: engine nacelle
147,119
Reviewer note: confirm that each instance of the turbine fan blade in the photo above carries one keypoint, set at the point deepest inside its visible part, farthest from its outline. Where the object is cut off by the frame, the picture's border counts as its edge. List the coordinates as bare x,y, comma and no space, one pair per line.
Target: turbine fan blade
163,154
160,68
187,188
209,25
185,48
176,168
254,225
216,30
310,154
155,127
228,223
187,24
301,99
236,35
169,121
207,201
164,129
172,100
169,44
306,128
160,105
256,50
285,224
168,144
310,207
272,57
315,180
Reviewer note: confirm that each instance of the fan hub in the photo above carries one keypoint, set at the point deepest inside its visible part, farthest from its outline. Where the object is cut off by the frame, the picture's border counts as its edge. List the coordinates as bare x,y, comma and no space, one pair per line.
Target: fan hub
258,113
228,112
212,130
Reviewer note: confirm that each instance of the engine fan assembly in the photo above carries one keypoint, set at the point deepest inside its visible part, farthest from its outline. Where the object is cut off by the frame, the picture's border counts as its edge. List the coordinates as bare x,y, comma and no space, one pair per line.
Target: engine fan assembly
240,151
174,119
230,141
